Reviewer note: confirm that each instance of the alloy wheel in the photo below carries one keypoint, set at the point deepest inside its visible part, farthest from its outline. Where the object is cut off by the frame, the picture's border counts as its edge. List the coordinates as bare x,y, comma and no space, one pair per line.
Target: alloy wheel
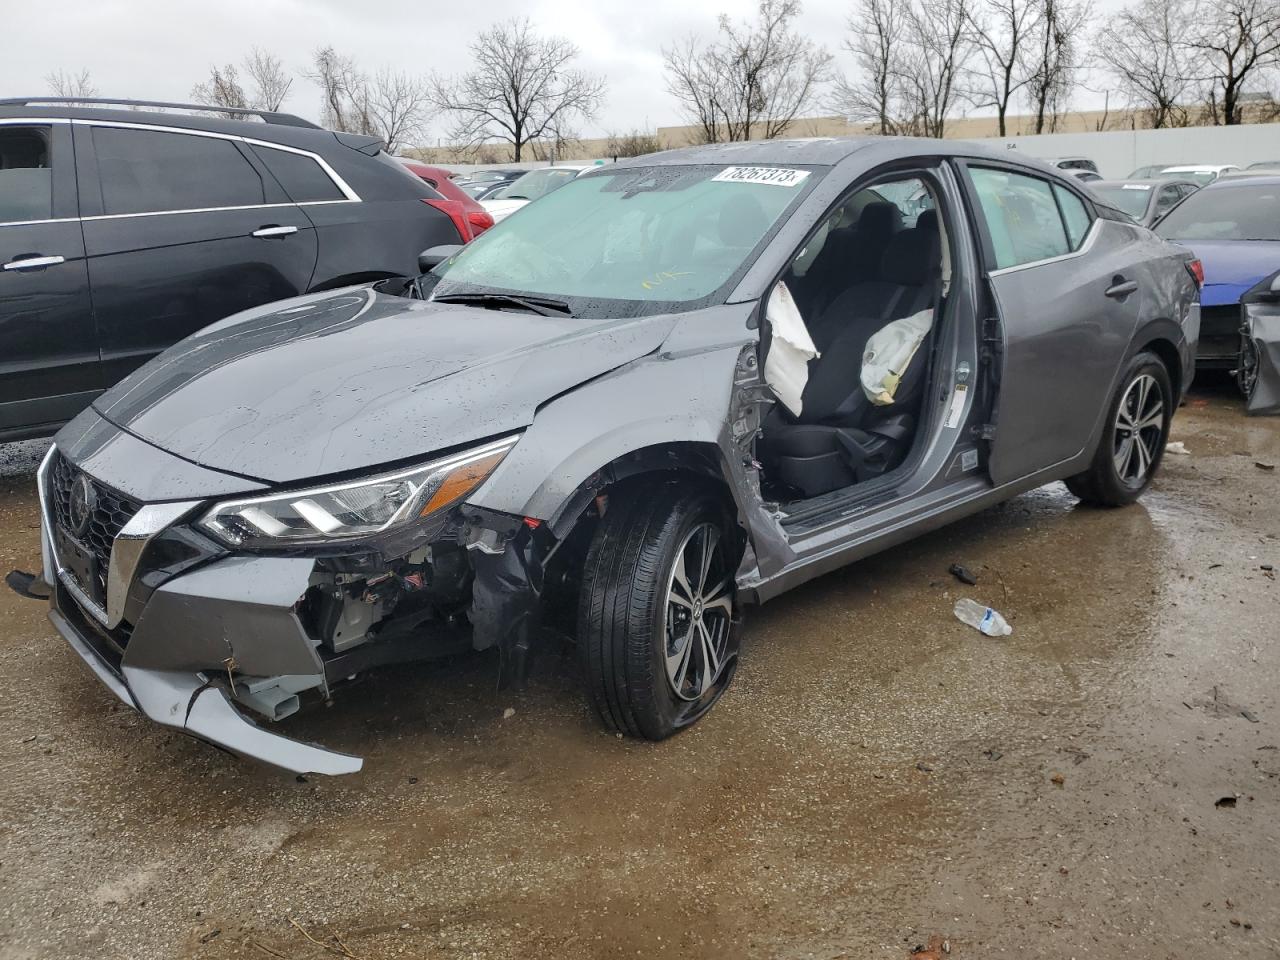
698,614
1139,430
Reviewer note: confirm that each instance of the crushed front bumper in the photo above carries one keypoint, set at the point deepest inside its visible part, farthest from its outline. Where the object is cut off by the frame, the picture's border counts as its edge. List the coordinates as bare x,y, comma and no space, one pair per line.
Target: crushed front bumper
238,612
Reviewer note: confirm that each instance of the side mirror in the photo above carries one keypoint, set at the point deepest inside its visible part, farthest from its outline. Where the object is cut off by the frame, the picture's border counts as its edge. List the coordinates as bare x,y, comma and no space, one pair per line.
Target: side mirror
432,257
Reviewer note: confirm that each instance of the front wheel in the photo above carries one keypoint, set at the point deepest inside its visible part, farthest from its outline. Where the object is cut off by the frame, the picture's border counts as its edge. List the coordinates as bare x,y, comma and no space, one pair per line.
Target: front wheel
1133,440
658,622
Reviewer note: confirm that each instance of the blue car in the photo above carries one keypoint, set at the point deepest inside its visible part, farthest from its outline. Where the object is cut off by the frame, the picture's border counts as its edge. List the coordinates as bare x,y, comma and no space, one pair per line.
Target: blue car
1233,227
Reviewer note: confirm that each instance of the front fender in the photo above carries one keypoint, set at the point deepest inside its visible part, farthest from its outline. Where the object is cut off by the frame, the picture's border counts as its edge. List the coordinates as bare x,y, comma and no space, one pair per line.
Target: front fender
655,400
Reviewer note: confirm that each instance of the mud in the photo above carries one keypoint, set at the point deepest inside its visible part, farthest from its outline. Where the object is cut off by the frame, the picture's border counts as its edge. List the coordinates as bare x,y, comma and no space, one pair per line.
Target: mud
879,774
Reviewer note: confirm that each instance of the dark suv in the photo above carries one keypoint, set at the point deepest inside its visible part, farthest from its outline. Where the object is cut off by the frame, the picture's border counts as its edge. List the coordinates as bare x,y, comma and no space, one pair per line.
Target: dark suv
124,230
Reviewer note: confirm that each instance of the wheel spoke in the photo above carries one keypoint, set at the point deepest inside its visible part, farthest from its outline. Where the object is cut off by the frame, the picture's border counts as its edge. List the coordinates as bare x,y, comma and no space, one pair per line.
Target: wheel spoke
680,581
1123,455
1144,459
709,540
679,673
710,659
1152,419
720,598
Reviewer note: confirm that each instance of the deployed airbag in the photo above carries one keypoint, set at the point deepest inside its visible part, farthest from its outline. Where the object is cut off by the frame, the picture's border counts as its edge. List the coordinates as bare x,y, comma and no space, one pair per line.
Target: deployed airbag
888,354
786,368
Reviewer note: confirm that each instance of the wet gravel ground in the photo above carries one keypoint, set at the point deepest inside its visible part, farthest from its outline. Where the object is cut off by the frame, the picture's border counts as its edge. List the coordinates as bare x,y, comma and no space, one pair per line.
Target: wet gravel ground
1103,783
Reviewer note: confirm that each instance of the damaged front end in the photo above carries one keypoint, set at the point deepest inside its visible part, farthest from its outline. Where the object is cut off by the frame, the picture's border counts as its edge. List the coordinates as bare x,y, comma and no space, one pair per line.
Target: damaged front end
214,619
1258,371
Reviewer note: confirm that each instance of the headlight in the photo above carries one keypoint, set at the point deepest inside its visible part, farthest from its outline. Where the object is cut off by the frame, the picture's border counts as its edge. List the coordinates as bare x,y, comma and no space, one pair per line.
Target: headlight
357,509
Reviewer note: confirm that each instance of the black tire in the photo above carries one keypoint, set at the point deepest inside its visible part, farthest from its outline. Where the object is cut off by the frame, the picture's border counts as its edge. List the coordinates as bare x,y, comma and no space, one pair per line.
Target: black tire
1118,475
631,612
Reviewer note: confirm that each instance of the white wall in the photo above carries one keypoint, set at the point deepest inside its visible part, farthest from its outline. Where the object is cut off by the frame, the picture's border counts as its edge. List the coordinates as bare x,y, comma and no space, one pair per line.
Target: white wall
1117,152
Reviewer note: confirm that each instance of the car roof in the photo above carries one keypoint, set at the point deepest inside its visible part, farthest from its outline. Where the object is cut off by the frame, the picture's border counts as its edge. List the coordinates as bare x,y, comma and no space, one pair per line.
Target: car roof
1234,183
1198,167
1141,182
825,152
301,133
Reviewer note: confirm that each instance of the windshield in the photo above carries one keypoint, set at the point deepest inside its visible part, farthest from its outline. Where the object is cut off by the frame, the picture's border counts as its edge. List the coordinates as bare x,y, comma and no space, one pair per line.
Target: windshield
632,240
1129,197
1242,212
535,184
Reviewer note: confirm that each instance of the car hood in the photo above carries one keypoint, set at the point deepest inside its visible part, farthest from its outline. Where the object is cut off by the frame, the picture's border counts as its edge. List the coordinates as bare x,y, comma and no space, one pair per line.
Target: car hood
501,209
355,379
1233,266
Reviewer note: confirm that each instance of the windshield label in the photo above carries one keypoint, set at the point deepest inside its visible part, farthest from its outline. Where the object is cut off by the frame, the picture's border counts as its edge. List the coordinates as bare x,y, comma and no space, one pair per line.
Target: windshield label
773,176
1136,186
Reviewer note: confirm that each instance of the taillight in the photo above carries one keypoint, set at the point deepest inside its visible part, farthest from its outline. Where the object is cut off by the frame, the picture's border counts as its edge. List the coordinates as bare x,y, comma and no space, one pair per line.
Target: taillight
454,209
1196,269
480,220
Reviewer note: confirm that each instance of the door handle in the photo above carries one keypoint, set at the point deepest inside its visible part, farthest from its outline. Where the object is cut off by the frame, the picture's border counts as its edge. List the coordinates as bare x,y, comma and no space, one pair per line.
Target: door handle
273,230
33,262
1121,288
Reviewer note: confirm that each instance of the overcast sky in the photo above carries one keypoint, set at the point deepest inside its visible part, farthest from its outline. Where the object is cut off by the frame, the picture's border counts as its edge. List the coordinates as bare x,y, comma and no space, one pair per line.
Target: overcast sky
157,49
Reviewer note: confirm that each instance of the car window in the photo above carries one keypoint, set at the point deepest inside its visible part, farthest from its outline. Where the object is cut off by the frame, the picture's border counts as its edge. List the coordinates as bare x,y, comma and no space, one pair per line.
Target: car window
147,171
1168,197
628,241
1021,216
535,184
1244,212
1130,198
26,172
1075,215
303,179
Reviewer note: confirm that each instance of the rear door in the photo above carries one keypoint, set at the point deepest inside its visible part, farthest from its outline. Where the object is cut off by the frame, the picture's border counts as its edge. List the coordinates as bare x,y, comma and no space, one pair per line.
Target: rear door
181,228
1067,294
49,367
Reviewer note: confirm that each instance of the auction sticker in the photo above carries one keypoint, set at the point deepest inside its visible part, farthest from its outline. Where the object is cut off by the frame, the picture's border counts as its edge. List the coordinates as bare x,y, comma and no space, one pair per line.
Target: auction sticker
773,176
957,406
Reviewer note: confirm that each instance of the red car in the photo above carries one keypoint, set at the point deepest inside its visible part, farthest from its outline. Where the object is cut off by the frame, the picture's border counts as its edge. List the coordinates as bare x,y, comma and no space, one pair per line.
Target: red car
468,215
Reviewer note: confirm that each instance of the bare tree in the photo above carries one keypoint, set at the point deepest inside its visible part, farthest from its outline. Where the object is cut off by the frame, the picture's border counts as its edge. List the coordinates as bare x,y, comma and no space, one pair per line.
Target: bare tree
1002,30
270,82
877,36
1055,58
940,52
397,107
752,79
342,89
64,84
222,89
392,106
1145,48
1238,40
634,144
522,88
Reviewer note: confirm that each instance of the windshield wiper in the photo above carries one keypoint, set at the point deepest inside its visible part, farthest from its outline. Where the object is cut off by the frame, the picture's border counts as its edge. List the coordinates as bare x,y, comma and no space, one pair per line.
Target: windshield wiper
516,196
545,306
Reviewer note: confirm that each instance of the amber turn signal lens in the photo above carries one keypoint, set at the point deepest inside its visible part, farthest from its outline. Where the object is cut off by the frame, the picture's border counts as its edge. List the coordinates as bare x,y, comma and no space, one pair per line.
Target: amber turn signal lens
462,481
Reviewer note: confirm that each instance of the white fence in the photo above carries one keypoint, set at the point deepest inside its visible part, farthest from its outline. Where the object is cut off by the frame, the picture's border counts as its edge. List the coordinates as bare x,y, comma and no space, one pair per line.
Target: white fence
1117,152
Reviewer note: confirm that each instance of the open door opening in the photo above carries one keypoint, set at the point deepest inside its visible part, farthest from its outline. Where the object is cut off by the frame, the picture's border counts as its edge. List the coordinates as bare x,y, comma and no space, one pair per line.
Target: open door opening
851,330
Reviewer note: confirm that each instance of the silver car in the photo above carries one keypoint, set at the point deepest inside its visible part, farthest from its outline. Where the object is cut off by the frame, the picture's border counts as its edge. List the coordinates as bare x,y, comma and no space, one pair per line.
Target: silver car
676,386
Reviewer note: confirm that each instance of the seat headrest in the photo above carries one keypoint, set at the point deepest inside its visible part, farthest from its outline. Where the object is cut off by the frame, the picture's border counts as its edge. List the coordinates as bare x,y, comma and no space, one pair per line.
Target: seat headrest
881,218
928,220
741,219
913,257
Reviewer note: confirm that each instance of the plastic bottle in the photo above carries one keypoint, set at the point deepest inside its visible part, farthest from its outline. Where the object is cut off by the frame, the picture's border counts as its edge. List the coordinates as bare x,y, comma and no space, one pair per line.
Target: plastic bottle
982,618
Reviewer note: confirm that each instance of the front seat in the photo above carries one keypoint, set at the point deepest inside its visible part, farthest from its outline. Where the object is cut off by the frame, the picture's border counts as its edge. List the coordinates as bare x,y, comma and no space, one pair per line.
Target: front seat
840,437
851,254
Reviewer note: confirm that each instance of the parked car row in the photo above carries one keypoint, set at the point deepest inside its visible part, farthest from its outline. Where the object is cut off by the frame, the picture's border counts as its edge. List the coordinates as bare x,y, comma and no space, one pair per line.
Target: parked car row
1230,218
